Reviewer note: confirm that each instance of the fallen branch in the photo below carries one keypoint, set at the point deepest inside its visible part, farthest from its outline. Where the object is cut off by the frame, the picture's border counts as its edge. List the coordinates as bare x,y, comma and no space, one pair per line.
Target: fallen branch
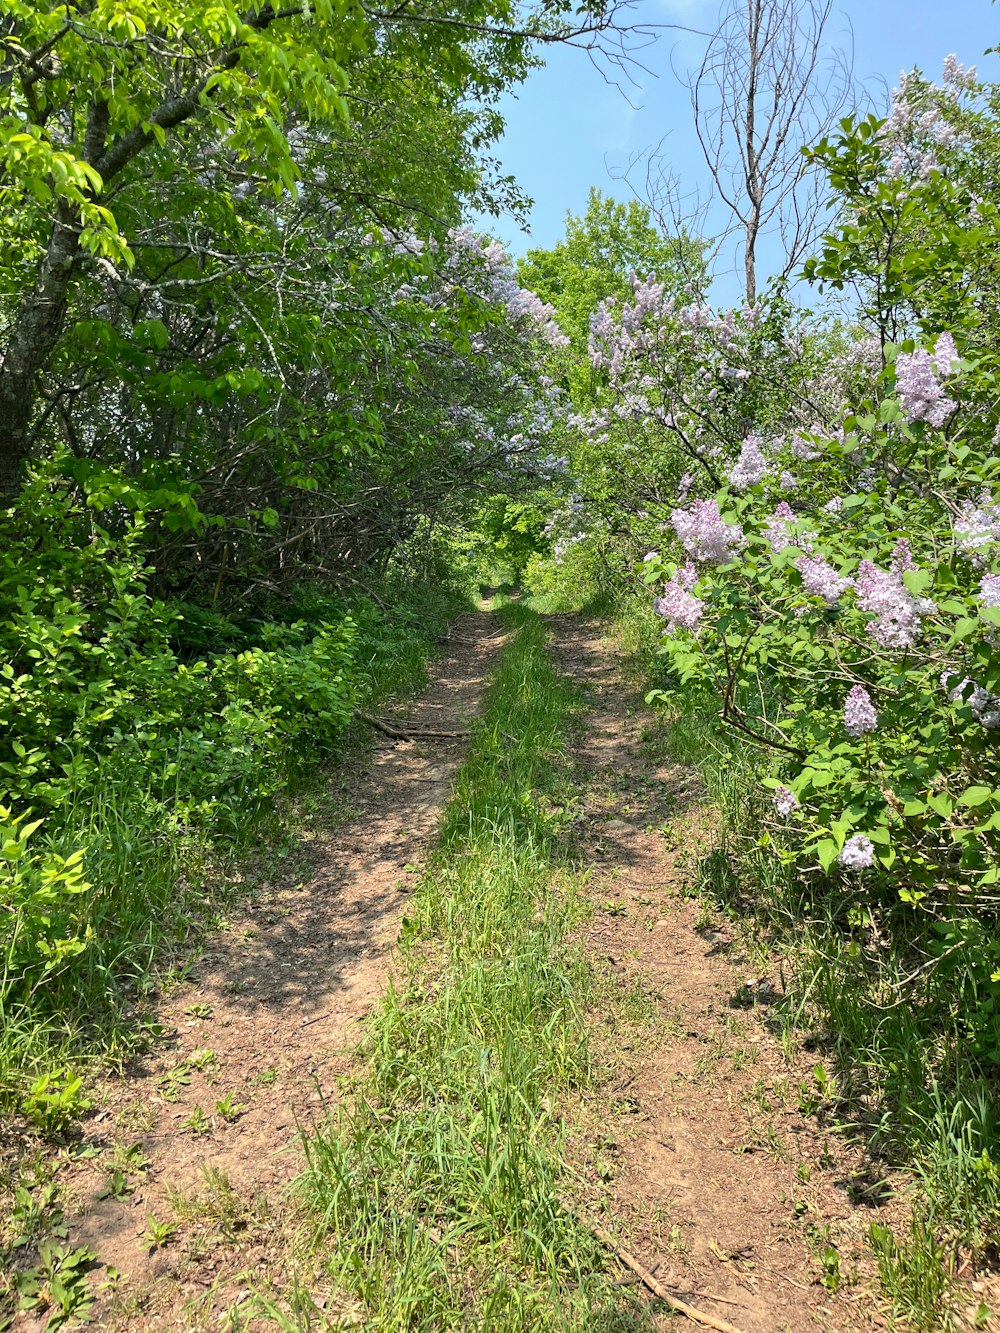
657,1288
399,734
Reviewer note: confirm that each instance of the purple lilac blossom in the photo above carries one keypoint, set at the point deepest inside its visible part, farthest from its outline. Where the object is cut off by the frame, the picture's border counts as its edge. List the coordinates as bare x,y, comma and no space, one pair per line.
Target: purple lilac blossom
820,579
677,605
859,712
989,590
902,557
985,706
785,801
945,354
751,467
920,395
858,853
977,528
897,613
704,535
778,528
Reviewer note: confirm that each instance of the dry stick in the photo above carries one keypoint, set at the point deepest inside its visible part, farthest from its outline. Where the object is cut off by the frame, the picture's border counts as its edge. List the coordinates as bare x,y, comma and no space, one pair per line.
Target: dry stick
397,734
657,1288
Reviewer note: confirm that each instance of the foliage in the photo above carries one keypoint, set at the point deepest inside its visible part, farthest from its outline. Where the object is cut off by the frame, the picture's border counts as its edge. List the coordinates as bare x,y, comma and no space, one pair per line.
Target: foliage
133,750
600,252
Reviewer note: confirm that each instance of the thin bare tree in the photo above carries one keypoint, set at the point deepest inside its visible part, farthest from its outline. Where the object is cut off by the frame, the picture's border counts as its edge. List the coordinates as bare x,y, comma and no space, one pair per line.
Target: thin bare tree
768,85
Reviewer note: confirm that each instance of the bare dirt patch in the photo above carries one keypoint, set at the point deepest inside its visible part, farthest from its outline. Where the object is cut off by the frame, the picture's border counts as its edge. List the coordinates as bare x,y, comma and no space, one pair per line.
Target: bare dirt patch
202,1136
705,1148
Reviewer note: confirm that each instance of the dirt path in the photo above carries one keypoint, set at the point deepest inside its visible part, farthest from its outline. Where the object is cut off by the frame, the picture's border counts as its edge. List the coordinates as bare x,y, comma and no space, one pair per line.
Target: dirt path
703,1147
268,1019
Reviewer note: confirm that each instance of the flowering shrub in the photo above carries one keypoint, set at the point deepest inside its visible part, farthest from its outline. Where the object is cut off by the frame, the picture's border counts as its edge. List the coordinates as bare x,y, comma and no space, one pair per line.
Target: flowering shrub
857,642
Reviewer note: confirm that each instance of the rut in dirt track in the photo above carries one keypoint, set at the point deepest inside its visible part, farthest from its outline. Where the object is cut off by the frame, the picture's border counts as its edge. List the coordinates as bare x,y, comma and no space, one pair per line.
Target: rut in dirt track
277,999
698,1151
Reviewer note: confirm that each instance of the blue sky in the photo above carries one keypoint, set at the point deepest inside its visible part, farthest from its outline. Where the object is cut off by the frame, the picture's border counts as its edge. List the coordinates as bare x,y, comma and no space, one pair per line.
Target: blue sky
569,128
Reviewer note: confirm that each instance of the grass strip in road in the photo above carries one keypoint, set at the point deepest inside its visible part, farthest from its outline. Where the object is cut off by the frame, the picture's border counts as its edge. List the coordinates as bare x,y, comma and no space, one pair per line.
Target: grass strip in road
437,1189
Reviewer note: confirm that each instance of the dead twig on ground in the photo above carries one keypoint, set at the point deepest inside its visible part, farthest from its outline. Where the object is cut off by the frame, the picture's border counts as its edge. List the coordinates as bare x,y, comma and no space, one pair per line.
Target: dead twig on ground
656,1287
397,733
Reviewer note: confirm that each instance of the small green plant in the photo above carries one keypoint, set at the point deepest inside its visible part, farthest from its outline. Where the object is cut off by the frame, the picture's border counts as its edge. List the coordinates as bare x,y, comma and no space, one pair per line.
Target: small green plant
57,1284
117,1186
200,1011
34,1216
198,1122
55,1101
171,1085
202,1059
157,1234
229,1108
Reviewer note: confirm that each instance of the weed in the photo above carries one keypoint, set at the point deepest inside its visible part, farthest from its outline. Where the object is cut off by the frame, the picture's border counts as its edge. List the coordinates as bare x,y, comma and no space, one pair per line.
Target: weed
915,1276
157,1234
57,1284
198,1122
230,1109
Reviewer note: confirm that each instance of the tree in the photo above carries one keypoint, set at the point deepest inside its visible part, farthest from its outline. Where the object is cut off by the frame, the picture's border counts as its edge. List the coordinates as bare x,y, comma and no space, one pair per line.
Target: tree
766,88
97,100
599,253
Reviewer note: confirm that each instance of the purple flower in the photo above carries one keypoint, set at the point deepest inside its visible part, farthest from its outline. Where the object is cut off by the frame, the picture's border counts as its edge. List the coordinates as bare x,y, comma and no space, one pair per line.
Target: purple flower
680,609
945,354
897,613
859,712
858,853
778,528
704,535
820,579
989,590
985,706
920,395
785,801
977,527
902,557
751,467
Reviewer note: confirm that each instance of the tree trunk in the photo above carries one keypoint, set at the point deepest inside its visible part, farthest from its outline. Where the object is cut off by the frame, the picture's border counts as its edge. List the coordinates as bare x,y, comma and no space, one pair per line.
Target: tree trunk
32,339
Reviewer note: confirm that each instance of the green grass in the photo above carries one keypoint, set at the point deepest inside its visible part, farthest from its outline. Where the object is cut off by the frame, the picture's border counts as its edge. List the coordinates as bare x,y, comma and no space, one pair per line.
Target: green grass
437,1191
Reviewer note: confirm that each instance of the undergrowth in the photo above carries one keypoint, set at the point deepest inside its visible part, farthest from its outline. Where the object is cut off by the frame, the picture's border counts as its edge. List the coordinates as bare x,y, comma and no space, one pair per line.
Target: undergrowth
437,1191
145,745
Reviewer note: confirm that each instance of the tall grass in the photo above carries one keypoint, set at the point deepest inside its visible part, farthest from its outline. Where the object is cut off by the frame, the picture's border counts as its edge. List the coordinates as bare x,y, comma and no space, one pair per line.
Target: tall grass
437,1189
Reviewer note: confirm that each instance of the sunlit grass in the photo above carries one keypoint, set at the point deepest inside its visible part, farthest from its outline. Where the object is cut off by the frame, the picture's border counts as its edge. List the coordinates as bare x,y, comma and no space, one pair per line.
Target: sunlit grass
437,1191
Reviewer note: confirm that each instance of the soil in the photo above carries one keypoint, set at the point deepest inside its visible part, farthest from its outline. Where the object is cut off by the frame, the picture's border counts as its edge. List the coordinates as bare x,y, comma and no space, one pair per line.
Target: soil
704,1147
277,1001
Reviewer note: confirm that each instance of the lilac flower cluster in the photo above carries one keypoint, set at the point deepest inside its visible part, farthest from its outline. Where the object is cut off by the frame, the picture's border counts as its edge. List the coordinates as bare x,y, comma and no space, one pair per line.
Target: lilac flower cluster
778,528
751,467
977,528
785,801
820,579
678,606
704,535
897,613
859,712
858,853
989,590
920,393
985,706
